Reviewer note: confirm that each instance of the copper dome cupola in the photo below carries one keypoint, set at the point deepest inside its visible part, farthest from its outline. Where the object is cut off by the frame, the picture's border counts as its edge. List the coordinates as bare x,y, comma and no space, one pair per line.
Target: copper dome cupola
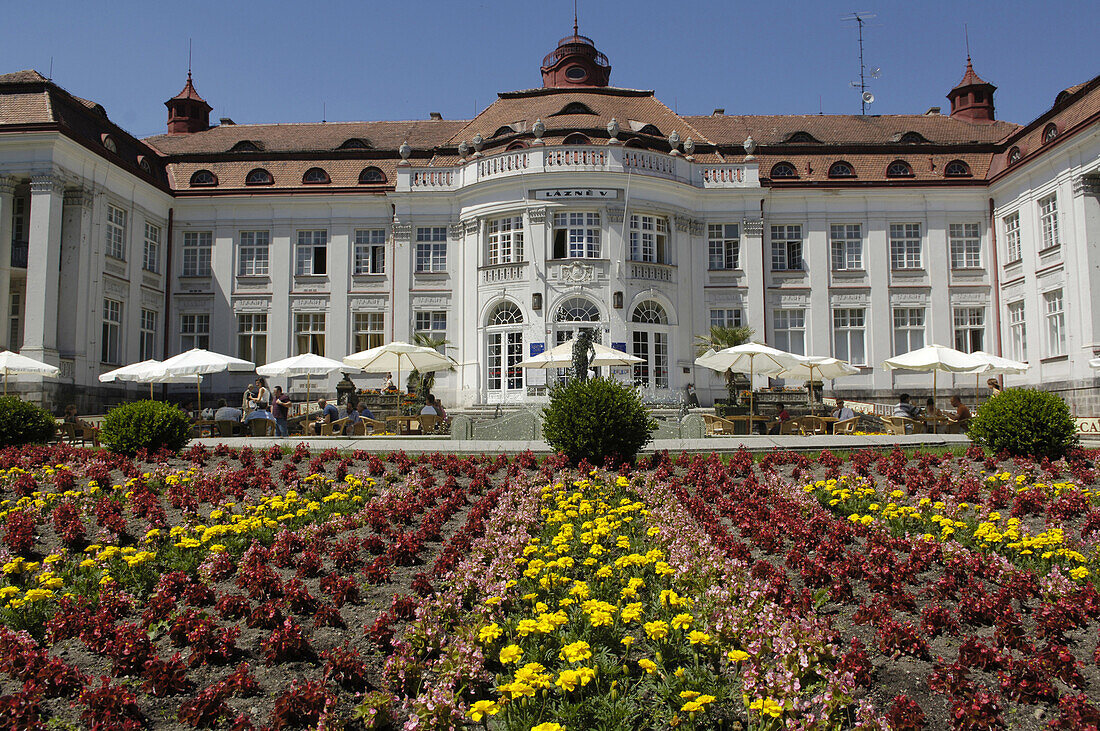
575,62
187,111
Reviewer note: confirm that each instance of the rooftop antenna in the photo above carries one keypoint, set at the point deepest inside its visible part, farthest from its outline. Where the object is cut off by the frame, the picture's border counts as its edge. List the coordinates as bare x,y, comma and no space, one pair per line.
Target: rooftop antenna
50,77
966,34
866,97
574,17
188,58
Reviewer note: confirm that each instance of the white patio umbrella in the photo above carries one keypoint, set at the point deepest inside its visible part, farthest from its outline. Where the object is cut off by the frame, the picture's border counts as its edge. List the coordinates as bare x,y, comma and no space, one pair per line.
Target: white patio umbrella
561,356
751,358
822,366
997,366
147,371
397,355
306,364
13,364
199,362
936,358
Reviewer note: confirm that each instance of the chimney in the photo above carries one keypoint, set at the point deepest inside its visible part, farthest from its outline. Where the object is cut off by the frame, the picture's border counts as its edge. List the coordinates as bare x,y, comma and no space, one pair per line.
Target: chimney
226,121
718,111
435,115
932,111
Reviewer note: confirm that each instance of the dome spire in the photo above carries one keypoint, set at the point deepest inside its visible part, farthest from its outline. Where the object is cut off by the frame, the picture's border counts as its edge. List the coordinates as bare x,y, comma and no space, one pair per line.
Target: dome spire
972,97
187,111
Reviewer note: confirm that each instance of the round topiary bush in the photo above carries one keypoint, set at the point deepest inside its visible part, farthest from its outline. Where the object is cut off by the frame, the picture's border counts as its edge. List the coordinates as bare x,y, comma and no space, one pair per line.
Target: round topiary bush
24,423
596,419
1026,422
149,425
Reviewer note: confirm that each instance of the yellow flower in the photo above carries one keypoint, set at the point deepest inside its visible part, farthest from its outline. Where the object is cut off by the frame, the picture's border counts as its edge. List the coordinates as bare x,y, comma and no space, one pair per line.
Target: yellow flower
548,727
526,627
737,655
481,709
679,672
656,630
576,651
8,592
488,633
648,665
568,680
627,641
767,707
510,654
691,707
698,638
689,695
682,621
1079,573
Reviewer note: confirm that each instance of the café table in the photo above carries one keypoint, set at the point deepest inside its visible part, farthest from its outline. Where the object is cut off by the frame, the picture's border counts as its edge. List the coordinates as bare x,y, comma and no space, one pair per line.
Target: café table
404,423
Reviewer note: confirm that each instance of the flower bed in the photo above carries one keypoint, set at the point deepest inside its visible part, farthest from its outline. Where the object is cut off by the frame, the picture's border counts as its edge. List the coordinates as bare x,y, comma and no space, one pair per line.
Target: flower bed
239,589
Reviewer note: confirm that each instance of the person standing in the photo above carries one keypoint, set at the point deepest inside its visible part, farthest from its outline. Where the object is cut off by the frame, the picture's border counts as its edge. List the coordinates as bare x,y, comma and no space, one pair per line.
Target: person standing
280,409
262,397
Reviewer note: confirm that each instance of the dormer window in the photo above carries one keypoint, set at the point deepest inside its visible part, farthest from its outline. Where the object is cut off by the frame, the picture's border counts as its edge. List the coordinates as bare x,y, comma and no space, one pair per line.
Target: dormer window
650,129
259,176
802,138
355,143
203,178
841,169
576,139
1014,156
109,143
517,145
899,169
504,130
1050,132
143,163
372,175
782,170
245,146
575,108
912,138
956,169
315,176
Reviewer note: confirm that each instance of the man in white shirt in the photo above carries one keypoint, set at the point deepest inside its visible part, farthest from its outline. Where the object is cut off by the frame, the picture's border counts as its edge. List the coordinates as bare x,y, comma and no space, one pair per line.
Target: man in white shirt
429,406
227,413
842,412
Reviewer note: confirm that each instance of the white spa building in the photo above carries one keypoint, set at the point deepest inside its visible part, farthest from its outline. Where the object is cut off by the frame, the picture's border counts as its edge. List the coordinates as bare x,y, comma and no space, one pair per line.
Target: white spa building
572,204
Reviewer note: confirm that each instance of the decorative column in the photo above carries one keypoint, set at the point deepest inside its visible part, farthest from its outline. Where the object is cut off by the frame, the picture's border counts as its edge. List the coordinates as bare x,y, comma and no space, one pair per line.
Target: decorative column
43,265
7,206
79,313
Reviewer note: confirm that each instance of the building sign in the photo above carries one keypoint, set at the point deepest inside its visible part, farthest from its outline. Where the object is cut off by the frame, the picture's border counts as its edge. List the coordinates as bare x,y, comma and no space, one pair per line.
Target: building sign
1088,425
558,193
537,349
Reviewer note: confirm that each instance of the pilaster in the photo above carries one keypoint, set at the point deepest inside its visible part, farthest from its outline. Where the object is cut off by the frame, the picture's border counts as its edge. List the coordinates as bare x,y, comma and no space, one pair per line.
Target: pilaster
78,278
7,203
43,269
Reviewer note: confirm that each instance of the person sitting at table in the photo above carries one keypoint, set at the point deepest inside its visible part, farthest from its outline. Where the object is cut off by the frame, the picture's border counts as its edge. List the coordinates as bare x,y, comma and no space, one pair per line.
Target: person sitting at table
842,412
994,386
72,418
259,413
930,408
961,415
905,409
439,409
352,417
365,412
227,413
188,407
329,414
429,406
782,415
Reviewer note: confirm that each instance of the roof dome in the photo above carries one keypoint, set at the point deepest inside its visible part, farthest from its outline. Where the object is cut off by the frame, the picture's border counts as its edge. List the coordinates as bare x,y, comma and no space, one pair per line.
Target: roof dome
575,62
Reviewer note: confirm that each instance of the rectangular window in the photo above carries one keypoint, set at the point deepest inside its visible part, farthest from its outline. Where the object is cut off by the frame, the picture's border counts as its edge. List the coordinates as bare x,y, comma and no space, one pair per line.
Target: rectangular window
197,246
1048,220
846,243
252,337
908,329
790,330
115,244
652,348
649,239
370,251
194,332
1054,308
254,253
966,245
150,260
786,248
431,249
309,332
969,329
432,324
849,335
1017,330
726,318
505,352
1012,237
311,256
112,331
576,235
148,344
723,246
15,326
505,240
369,330
905,249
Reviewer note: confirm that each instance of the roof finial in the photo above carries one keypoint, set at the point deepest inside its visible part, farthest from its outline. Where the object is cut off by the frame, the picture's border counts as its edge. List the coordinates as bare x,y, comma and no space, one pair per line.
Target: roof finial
574,17
189,58
966,34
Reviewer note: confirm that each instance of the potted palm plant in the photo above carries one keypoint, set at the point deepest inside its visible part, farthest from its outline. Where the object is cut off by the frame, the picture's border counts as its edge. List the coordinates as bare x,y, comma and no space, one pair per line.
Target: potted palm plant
721,337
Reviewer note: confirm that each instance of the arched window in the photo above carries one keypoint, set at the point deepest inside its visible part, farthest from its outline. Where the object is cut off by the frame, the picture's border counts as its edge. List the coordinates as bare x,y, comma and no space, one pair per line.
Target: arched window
517,145
109,143
650,129
801,138
912,138
782,170
372,175
577,309
355,143
259,176
504,130
651,345
1014,156
649,312
956,169
202,178
899,169
144,164
315,176
506,313
504,351
574,108
1050,132
245,146
841,169
576,139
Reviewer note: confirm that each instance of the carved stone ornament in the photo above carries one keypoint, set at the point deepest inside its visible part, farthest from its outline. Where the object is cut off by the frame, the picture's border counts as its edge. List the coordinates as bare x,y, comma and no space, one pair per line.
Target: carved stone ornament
455,229
251,305
314,304
115,287
576,273
615,214
45,184
366,303
78,197
402,232
613,130
404,151
479,142
750,147
909,298
753,227
538,129
674,142
537,215
689,147
1086,185
463,150
7,184
471,226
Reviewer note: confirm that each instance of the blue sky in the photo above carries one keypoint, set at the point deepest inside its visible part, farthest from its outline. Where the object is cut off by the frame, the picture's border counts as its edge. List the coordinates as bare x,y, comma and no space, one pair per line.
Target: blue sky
284,61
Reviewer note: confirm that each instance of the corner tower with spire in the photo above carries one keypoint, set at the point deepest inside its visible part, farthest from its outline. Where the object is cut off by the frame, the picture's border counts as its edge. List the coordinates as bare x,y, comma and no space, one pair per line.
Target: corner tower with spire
972,98
187,111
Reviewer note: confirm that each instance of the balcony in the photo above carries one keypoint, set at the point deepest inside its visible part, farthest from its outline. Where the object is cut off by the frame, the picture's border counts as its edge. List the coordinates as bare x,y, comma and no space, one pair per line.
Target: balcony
652,272
497,273
19,251
578,159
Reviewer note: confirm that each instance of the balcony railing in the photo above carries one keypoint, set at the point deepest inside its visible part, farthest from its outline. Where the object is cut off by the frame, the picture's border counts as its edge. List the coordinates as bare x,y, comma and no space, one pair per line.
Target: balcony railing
19,251
494,273
651,271
579,158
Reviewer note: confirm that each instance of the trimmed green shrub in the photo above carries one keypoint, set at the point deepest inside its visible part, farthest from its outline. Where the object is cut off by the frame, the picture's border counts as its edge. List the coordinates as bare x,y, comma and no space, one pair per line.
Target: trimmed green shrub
22,422
149,425
596,419
1025,421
